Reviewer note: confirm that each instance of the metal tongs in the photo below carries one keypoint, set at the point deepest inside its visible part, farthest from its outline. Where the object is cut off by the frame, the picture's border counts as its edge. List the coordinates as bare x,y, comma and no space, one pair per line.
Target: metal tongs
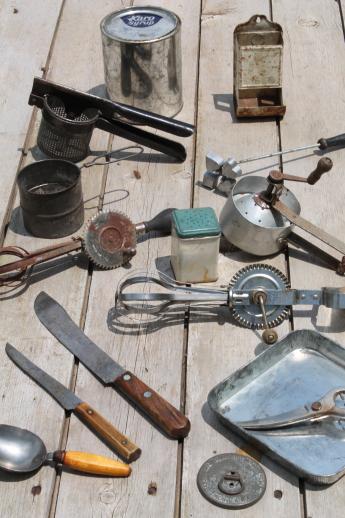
316,411
15,270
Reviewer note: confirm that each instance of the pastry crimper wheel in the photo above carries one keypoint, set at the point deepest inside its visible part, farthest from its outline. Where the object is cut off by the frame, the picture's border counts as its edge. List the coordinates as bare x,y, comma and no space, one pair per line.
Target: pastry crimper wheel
258,296
109,241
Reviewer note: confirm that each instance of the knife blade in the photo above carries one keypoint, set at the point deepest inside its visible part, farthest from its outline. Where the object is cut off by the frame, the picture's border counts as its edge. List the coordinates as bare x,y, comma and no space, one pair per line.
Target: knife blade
59,323
70,402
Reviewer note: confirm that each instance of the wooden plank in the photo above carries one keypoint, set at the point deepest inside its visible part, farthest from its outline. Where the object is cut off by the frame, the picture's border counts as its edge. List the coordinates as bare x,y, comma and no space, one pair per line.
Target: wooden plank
313,92
217,347
24,403
26,34
156,356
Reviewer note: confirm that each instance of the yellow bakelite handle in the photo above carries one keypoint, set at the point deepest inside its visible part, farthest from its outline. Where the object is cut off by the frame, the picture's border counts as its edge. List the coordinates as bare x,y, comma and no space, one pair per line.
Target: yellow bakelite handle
96,464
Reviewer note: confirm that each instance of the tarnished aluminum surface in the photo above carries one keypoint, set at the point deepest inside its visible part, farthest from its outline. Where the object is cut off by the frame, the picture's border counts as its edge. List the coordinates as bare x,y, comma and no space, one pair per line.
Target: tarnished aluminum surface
302,367
250,227
142,58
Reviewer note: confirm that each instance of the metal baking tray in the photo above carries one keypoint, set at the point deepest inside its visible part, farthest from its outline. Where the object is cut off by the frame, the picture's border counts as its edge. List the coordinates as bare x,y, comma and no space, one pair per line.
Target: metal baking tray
300,368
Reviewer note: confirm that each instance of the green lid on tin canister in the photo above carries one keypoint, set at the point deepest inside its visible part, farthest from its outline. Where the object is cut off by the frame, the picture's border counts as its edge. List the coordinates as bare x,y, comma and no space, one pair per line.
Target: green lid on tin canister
201,222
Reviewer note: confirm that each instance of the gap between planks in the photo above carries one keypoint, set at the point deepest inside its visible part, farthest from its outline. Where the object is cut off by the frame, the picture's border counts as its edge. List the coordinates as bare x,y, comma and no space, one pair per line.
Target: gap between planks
302,493
74,372
13,192
184,369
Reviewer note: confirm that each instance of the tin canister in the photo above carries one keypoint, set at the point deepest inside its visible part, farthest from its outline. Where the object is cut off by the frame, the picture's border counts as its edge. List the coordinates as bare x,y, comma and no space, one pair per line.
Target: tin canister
195,236
51,198
142,58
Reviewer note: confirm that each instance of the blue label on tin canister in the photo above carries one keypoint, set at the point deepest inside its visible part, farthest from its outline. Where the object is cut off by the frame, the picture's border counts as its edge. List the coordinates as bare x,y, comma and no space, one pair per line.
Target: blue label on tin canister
141,20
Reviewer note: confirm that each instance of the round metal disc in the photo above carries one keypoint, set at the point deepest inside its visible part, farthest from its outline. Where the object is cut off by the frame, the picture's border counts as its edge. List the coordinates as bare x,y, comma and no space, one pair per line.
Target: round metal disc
257,276
110,239
232,481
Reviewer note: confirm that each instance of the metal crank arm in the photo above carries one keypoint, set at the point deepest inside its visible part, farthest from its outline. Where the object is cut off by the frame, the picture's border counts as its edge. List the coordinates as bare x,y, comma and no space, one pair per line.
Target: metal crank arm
309,227
329,297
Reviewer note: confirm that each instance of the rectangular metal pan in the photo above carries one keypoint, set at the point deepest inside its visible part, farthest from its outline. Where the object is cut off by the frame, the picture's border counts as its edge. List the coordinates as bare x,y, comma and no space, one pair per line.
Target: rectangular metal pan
300,368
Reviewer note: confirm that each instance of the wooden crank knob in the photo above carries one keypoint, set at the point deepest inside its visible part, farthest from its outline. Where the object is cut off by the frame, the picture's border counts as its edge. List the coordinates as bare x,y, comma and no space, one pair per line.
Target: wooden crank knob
324,165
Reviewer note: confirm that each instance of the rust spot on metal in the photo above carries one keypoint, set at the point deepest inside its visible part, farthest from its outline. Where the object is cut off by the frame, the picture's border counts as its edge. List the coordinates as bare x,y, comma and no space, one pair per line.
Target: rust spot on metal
137,174
263,111
15,10
316,406
152,488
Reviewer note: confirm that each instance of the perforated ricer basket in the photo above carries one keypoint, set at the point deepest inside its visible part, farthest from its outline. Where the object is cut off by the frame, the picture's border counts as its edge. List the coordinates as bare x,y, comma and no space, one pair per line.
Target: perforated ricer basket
65,133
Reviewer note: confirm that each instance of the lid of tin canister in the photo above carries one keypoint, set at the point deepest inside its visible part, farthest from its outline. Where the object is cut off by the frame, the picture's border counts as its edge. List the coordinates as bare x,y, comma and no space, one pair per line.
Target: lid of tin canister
140,24
200,222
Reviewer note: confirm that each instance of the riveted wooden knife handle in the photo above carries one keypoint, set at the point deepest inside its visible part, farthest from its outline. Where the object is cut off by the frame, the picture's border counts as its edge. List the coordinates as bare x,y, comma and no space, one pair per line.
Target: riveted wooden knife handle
91,463
119,442
162,413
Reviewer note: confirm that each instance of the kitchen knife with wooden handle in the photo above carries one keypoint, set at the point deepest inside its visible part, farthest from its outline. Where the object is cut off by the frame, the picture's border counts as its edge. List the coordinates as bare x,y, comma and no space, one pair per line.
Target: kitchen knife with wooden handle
59,323
70,402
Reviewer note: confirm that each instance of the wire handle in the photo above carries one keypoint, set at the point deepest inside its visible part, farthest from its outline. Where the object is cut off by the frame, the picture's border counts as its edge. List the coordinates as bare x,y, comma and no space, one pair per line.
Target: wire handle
109,154
176,294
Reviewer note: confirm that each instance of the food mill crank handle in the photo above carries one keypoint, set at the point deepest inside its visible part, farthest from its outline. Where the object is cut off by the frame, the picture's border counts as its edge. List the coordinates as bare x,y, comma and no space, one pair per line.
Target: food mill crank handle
309,227
324,165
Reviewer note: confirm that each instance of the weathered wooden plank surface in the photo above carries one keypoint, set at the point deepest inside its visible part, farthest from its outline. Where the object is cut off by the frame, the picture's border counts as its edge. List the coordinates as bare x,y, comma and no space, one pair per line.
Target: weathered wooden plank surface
155,356
26,32
217,347
23,402
314,93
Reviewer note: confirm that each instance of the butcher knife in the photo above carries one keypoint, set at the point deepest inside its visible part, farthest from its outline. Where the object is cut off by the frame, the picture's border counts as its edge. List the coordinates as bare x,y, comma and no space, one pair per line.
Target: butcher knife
59,323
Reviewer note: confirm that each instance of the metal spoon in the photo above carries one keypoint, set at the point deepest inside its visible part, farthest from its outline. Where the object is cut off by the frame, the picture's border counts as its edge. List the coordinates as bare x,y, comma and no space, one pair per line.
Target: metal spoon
22,451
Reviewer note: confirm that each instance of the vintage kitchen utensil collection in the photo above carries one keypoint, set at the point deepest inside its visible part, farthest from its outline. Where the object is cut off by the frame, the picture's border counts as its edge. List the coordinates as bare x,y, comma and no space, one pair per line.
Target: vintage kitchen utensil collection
109,240
22,451
298,371
230,168
60,324
258,296
70,402
286,396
